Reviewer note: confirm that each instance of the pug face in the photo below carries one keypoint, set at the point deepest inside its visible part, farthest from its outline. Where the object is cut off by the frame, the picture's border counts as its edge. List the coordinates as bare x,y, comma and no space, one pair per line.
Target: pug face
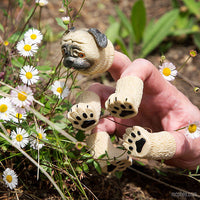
83,49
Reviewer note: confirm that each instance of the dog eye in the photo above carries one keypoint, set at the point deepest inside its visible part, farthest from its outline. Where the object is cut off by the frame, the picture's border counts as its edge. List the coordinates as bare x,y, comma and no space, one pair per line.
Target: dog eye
81,55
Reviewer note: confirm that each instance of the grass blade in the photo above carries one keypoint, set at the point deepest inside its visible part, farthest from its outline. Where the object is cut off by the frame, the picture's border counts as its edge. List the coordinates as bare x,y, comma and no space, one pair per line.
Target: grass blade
159,31
138,20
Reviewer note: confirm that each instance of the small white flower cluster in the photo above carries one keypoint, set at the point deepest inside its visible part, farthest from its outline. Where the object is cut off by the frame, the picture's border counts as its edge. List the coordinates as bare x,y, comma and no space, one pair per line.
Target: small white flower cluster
193,130
10,178
21,138
14,108
168,71
29,45
41,2
59,89
66,20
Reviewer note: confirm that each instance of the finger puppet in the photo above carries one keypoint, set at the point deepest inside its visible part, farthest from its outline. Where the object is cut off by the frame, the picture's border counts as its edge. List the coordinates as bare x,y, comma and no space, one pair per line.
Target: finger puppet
90,52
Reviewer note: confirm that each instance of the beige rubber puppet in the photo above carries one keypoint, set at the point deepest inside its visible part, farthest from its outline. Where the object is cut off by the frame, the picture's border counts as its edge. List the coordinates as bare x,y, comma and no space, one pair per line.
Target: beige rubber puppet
90,52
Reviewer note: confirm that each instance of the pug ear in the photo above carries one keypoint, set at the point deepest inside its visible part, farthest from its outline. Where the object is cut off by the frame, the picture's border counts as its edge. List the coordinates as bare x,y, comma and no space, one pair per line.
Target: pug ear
99,37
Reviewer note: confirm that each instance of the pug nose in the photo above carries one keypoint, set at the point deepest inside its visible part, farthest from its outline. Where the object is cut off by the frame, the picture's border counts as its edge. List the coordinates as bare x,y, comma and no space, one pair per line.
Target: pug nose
69,62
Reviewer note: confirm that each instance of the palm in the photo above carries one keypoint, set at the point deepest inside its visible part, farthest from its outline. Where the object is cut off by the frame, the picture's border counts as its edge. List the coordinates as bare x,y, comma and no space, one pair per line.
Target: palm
163,107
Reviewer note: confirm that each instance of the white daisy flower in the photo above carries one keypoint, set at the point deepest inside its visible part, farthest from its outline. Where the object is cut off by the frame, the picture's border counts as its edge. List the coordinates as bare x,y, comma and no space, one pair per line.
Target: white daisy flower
34,35
22,98
66,20
168,70
20,137
28,75
18,115
6,108
41,2
10,178
27,48
59,89
36,142
193,130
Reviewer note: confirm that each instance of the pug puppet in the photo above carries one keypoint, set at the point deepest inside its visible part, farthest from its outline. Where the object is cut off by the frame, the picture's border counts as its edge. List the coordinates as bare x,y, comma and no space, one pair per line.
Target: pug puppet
90,52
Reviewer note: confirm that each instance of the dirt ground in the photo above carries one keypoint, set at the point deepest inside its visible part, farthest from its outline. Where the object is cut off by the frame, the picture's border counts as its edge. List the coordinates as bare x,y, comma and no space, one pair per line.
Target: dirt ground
142,182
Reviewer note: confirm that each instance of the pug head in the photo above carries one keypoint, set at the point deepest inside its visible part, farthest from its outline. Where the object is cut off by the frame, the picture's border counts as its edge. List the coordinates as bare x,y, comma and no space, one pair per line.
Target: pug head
87,50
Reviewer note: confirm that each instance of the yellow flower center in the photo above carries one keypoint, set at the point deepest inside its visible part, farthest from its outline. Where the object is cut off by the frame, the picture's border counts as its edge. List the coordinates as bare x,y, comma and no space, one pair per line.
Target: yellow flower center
3,108
40,136
9,178
27,47
59,90
41,4
192,128
18,115
19,138
22,97
166,71
29,75
6,43
193,53
33,36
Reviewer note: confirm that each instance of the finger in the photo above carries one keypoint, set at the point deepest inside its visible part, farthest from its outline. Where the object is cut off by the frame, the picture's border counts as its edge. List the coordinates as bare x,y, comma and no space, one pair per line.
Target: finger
142,68
106,124
187,152
120,63
102,91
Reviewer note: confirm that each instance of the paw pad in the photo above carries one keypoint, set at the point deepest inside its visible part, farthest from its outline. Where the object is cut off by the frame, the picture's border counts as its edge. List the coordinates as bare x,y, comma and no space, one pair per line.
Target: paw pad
83,117
136,141
117,165
120,107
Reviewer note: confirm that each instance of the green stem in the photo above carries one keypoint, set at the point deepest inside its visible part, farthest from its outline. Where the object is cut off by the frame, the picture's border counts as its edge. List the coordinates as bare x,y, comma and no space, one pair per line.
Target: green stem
52,78
183,65
36,164
21,32
40,14
61,131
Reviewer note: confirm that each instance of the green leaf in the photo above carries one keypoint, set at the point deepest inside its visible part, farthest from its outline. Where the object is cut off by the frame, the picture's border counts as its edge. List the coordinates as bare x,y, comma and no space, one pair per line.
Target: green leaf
85,155
97,167
17,62
61,125
197,40
80,136
71,155
20,2
197,169
1,28
89,161
122,45
102,156
112,32
138,19
60,23
58,118
159,32
44,68
13,37
193,6
125,21
78,169
183,20
5,89
85,167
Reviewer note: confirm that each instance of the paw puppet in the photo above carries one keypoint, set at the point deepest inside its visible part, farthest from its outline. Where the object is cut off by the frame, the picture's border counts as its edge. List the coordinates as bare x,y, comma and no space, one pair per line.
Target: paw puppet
90,52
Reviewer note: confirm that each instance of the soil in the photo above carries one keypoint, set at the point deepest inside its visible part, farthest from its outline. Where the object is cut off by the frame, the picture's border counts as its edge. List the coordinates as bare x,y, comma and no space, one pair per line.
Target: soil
149,181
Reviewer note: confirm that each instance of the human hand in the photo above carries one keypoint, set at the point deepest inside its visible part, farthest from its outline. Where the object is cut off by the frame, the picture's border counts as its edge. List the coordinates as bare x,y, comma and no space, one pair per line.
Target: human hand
163,108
